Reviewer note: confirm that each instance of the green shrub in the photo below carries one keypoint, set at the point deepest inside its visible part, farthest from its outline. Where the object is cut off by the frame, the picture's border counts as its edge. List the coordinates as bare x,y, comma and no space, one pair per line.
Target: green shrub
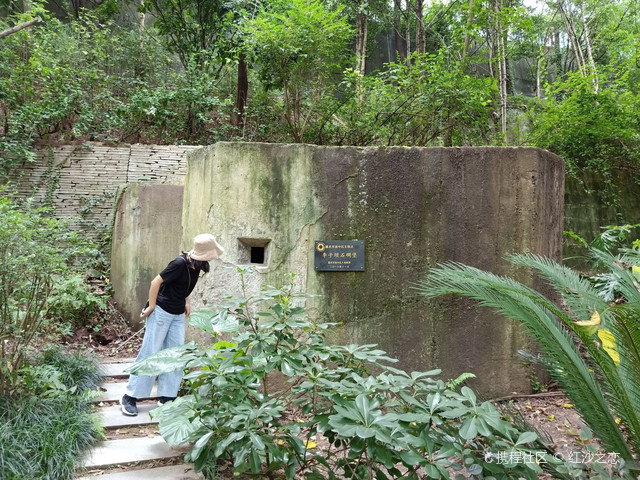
77,370
34,248
432,103
73,302
44,431
599,130
264,399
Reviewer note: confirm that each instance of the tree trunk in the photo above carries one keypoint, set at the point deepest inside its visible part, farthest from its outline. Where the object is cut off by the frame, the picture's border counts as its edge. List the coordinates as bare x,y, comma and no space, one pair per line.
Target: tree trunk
421,46
587,44
467,36
237,117
142,17
567,19
502,66
539,76
408,31
361,43
397,25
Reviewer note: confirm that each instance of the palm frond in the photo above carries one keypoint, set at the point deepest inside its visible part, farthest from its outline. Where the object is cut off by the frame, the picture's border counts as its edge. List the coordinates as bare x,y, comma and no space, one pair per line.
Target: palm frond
620,384
606,284
625,398
538,315
577,292
543,360
620,273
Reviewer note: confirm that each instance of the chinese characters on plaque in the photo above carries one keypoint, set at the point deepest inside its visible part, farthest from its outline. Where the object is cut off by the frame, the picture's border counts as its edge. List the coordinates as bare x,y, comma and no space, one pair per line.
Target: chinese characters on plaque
339,256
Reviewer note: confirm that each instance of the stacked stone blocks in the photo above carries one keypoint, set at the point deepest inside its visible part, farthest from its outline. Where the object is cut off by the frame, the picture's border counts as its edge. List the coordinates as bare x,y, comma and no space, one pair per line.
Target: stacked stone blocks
81,181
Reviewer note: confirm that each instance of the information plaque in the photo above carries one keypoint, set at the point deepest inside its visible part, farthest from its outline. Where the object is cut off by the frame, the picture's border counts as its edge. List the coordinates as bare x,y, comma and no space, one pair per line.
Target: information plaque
339,256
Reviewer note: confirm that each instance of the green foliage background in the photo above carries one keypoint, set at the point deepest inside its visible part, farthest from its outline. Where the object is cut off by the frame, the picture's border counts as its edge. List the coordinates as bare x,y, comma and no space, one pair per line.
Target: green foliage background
103,72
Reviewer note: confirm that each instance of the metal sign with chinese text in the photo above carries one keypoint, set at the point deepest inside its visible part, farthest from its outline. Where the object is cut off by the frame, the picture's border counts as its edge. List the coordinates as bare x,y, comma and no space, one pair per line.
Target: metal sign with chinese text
339,256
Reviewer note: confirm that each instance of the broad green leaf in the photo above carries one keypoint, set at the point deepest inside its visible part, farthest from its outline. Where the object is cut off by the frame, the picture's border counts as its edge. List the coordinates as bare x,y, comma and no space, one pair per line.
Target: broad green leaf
201,319
365,407
432,471
455,412
240,452
433,400
365,432
430,373
175,421
411,458
382,455
257,441
196,450
469,430
164,361
474,469
223,323
468,394
287,369
254,461
526,437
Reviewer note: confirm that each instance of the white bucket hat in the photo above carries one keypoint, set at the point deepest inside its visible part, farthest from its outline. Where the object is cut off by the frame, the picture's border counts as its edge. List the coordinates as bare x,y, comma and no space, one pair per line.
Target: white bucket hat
205,248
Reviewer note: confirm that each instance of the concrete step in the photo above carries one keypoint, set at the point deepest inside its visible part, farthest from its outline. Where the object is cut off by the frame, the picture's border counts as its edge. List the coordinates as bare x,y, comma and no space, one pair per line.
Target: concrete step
173,472
113,392
112,416
116,370
128,450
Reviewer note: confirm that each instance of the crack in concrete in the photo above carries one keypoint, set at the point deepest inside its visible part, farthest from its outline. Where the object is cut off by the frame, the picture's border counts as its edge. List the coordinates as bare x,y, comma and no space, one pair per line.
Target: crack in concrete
353,175
304,228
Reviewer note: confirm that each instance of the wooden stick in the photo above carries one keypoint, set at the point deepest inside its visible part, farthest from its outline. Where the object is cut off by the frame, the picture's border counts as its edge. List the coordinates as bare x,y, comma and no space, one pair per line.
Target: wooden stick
17,28
530,395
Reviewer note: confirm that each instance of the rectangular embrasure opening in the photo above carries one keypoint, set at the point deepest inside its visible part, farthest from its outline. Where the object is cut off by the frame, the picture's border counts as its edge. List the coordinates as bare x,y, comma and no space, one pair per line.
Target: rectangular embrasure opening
253,251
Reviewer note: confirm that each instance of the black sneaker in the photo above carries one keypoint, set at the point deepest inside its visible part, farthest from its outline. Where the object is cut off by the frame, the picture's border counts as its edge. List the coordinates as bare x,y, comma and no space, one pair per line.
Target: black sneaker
129,405
164,400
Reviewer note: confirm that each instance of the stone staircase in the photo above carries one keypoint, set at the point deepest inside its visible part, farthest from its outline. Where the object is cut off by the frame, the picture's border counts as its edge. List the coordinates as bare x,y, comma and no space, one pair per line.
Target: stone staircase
125,458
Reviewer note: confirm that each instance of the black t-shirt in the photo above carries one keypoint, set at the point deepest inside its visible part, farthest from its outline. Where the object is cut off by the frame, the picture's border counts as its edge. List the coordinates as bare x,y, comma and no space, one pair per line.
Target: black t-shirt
178,282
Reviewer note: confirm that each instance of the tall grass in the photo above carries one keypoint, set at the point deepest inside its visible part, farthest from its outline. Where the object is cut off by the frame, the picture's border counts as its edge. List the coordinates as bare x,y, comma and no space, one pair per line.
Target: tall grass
42,437
76,369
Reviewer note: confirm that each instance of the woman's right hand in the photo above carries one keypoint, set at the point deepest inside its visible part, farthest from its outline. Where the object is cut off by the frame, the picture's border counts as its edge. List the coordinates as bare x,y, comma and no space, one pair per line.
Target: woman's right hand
146,311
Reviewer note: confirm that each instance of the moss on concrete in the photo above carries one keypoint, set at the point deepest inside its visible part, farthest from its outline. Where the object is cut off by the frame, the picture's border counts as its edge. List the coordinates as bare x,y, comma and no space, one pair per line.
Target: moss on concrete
413,208
146,236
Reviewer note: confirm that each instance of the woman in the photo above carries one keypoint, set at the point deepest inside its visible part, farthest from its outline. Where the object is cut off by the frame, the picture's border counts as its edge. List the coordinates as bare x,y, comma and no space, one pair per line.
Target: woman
169,306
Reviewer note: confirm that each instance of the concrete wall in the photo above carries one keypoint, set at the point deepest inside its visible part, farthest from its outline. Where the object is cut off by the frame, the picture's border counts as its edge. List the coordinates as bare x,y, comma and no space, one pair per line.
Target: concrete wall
81,181
592,203
146,237
413,208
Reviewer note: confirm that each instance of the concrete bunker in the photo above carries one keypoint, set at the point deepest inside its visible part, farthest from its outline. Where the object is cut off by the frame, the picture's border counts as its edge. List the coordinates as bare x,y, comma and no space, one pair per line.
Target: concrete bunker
412,208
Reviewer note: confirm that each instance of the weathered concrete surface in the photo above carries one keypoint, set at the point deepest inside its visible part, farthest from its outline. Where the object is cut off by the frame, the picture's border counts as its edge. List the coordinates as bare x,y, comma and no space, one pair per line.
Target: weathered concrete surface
173,472
413,208
146,237
113,392
591,202
128,450
112,416
116,370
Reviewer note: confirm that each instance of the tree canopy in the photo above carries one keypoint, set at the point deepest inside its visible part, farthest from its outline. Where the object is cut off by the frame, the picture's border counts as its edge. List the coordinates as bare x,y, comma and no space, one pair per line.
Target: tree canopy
560,75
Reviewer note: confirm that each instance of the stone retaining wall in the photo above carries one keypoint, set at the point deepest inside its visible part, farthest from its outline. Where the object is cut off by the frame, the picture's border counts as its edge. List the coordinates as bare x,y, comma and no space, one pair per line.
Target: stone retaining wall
82,180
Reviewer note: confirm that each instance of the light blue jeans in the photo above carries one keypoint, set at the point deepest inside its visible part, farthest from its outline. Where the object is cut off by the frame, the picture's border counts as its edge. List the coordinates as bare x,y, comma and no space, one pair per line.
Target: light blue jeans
163,330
